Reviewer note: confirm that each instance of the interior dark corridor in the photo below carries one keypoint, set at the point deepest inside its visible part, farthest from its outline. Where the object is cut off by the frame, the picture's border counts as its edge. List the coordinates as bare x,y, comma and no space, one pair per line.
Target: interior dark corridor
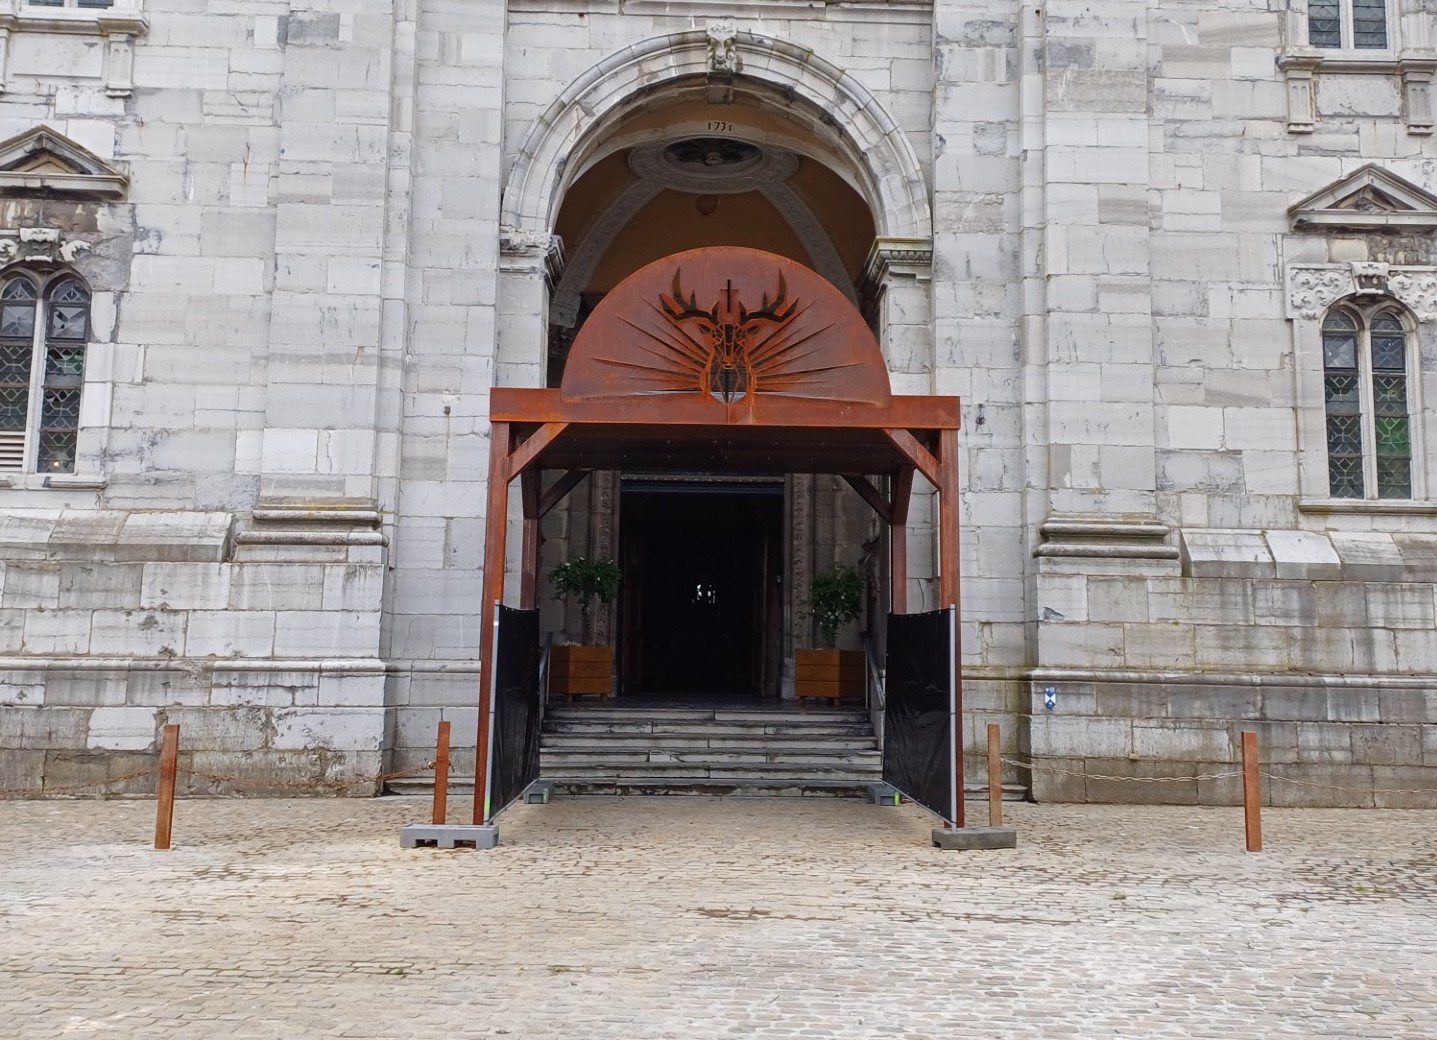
702,593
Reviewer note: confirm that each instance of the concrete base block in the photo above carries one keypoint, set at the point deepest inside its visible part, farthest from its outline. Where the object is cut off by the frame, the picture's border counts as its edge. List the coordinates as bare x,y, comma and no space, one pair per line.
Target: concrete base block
540,792
883,794
965,839
448,835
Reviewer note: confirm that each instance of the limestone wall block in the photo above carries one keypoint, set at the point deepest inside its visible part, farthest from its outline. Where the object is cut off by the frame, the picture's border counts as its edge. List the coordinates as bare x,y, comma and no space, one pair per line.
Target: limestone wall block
336,729
32,727
55,632
184,586
138,632
1369,556
31,585
121,729
1078,736
229,633
309,633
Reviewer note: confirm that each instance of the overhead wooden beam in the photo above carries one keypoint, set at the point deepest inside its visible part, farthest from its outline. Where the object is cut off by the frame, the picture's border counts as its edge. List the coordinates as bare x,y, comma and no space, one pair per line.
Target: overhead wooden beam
921,458
526,453
557,491
870,494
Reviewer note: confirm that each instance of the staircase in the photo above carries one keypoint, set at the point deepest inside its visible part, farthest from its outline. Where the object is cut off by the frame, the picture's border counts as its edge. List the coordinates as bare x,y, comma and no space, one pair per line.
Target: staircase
696,750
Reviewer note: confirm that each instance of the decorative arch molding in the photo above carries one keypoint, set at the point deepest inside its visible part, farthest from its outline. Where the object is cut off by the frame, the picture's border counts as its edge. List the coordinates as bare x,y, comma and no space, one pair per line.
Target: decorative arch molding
654,179
870,140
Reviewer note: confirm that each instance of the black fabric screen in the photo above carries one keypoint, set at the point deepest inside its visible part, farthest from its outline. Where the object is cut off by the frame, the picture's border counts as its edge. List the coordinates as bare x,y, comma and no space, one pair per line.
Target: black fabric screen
517,714
917,732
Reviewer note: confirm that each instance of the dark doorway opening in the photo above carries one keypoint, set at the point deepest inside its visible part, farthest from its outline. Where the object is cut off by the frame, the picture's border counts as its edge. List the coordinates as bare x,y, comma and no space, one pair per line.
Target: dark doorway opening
702,595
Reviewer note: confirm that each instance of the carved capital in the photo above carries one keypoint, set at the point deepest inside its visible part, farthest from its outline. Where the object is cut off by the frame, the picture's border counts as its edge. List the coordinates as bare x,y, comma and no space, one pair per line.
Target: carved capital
901,257
522,249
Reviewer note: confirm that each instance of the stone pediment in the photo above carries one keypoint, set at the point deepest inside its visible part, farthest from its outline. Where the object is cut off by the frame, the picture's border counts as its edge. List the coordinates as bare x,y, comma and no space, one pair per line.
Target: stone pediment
45,162
1370,199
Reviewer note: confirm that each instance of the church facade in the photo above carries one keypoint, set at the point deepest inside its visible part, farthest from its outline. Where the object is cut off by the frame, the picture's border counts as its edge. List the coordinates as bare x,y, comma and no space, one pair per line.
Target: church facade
265,261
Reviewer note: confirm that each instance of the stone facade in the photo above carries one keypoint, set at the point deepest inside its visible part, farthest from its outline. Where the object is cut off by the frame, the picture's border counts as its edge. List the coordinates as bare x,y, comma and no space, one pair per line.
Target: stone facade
316,233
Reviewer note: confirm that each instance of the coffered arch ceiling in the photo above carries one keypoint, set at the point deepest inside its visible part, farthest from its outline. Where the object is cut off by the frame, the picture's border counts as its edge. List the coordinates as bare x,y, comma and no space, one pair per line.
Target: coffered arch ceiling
687,174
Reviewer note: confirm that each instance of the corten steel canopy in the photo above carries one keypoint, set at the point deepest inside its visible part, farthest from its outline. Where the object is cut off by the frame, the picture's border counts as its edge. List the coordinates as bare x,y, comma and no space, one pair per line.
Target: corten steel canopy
719,360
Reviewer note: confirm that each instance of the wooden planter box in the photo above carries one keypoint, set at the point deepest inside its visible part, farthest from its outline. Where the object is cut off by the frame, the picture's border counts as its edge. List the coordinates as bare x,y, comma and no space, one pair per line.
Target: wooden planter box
581,671
835,674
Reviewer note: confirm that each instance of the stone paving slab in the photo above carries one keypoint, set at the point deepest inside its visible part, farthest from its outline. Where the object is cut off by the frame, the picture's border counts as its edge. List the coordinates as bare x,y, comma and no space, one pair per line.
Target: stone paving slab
689,918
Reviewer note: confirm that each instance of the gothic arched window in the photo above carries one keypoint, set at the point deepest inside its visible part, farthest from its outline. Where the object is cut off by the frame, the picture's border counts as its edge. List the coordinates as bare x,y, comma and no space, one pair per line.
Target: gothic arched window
1368,402
44,327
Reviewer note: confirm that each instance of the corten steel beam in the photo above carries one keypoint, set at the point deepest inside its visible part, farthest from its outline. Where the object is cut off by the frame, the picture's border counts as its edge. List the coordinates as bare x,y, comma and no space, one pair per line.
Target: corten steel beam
559,490
898,541
948,593
870,494
917,455
537,406
526,453
495,524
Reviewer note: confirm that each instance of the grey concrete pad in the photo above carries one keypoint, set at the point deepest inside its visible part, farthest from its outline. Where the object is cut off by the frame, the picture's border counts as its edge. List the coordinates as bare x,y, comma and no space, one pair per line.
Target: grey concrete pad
448,835
972,839
884,794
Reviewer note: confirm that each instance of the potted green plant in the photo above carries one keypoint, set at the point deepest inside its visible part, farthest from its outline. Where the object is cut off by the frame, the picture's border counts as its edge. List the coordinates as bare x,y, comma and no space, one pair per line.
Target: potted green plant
835,597
576,671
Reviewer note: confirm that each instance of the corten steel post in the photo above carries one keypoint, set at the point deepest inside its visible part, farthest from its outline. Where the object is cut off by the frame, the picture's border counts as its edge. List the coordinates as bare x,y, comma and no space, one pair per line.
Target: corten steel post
529,565
165,803
898,541
948,593
495,523
441,773
995,776
1251,792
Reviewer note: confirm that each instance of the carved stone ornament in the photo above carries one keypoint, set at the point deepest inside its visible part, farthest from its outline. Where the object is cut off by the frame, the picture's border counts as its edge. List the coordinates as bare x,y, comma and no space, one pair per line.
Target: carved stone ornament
1313,288
36,245
1370,277
723,57
524,242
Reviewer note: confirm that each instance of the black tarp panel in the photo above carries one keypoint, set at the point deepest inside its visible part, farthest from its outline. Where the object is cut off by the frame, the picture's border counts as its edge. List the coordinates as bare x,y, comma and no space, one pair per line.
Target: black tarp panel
918,710
517,712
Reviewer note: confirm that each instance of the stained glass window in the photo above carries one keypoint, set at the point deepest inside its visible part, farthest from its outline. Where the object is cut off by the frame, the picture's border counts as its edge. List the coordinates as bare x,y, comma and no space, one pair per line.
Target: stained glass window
42,341
1347,24
1342,392
1369,423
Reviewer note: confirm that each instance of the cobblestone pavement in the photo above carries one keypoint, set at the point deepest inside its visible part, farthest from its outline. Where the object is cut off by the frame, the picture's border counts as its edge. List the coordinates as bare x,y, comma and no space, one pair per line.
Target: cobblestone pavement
688,918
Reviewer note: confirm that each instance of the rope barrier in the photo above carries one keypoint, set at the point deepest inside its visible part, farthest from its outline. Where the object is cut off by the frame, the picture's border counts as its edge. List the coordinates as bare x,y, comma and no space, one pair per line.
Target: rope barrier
1032,767
80,786
1360,790
1039,767
317,785
234,781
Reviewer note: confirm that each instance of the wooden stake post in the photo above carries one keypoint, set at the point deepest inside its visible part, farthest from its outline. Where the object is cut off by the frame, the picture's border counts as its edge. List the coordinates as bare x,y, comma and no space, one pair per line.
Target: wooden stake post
441,773
1251,792
995,776
165,805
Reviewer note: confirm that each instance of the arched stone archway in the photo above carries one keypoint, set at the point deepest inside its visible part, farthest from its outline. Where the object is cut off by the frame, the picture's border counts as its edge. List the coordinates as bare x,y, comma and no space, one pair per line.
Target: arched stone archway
872,143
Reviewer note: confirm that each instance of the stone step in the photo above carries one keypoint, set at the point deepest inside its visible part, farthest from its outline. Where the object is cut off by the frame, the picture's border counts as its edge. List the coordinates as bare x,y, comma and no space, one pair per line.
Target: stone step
618,742
463,787
838,758
787,715
655,773
706,729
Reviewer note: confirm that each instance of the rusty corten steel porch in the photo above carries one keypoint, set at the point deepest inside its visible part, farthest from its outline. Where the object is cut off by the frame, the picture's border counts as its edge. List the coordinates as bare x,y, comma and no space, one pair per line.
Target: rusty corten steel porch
658,381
